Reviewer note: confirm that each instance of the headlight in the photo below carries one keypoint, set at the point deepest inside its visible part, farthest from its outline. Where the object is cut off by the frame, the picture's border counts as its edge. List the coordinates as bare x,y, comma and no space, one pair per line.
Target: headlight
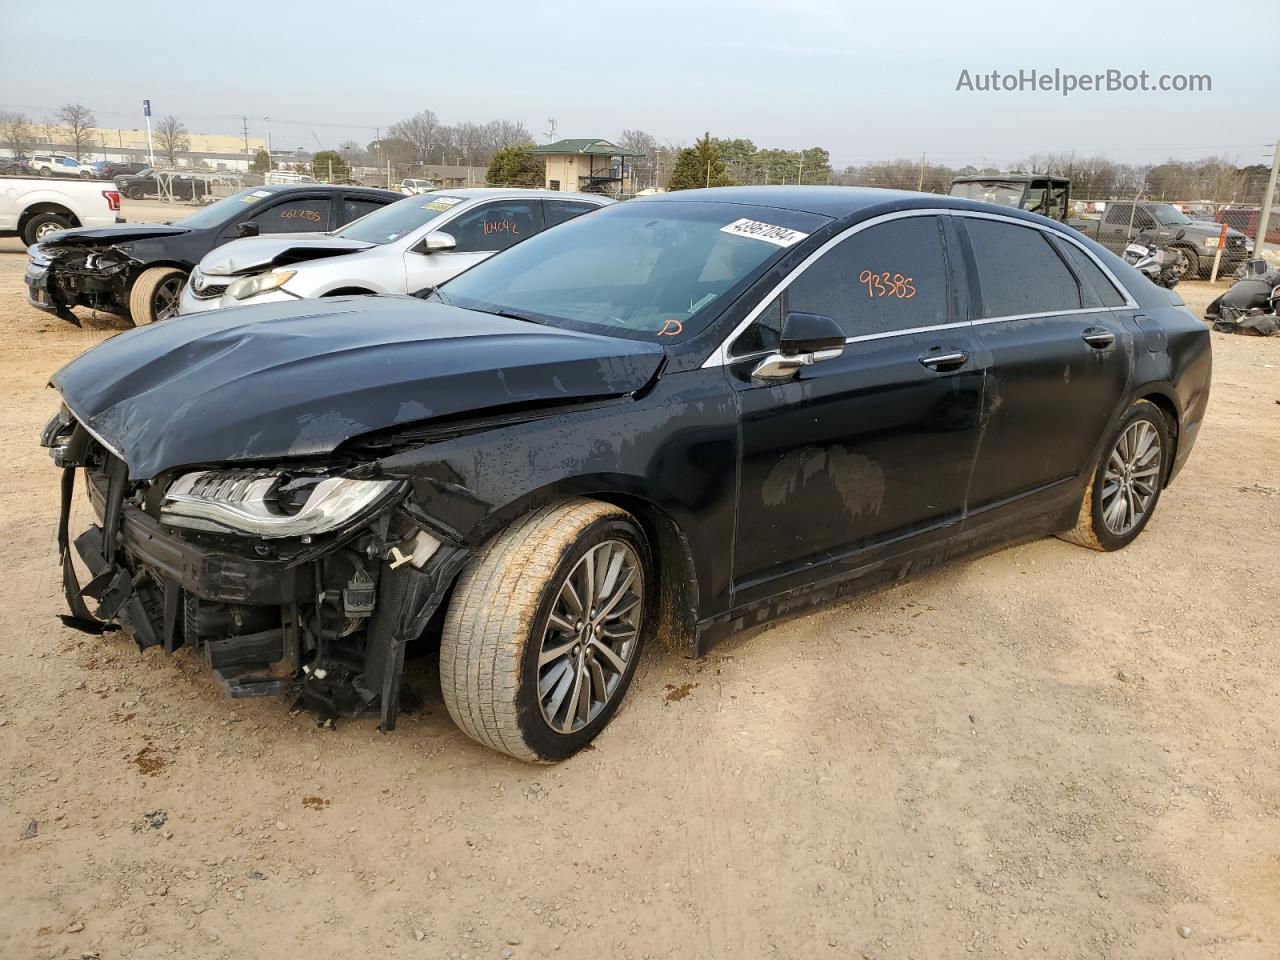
269,503
247,287
1211,242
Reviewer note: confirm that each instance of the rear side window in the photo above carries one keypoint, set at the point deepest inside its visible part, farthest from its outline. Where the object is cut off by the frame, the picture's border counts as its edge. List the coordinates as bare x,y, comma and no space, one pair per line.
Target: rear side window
495,226
1095,289
558,211
353,208
886,278
294,216
1018,271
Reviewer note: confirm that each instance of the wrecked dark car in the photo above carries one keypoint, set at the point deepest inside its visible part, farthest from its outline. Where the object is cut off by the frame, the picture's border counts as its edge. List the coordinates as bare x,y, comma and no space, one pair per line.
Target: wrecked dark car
139,269
678,417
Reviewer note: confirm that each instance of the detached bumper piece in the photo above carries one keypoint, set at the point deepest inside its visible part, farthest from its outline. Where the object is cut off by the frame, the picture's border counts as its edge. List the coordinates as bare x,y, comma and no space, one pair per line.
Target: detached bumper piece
328,624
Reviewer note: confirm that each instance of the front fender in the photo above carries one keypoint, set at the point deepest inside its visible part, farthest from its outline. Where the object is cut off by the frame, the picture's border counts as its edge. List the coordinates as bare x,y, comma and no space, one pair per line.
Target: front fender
676,448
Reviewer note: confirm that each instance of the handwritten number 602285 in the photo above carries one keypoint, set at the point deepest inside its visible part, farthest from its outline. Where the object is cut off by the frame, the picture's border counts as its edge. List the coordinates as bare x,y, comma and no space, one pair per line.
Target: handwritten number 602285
887,285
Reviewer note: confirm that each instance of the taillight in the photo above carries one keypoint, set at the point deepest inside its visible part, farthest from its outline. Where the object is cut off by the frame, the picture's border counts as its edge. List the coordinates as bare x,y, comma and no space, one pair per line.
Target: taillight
113,200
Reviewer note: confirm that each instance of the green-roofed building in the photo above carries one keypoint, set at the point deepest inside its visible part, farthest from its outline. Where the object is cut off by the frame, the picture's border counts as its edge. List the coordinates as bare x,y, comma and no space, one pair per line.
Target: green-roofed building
594,166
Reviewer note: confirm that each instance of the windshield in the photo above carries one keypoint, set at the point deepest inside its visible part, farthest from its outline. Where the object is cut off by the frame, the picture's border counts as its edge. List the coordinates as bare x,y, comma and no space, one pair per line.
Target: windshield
1003,192
223,210
1168,214
392,222
641,269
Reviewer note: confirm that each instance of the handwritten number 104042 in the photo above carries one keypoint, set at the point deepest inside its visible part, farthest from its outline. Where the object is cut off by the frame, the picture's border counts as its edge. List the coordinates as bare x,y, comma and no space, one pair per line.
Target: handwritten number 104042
887,285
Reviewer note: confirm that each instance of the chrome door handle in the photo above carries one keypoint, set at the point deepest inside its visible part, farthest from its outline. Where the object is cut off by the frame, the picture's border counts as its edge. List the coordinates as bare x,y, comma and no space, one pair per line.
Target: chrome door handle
1098,337
952,358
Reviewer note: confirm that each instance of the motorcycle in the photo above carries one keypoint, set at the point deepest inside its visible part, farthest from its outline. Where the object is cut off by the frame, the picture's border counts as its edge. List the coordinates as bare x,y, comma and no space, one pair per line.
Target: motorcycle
1252,303
1162,265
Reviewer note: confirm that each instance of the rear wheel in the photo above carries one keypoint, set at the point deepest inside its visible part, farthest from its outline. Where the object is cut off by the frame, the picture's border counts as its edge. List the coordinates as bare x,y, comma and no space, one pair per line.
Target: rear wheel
136,193
544,630
1126,483
155,295
43,225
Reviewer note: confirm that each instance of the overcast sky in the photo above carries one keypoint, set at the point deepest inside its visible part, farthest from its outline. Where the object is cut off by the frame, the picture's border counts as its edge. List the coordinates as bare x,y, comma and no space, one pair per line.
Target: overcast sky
866,81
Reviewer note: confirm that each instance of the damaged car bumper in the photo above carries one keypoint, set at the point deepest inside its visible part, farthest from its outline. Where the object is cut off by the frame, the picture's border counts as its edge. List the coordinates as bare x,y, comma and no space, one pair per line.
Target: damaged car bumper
326,616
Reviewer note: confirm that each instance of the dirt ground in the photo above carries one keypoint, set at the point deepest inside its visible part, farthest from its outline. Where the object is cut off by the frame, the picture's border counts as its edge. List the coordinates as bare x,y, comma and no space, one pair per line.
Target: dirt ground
1045,752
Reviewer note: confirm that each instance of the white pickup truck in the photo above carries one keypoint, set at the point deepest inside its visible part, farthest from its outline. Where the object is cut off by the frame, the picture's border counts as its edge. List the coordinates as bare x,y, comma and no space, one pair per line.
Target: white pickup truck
34,207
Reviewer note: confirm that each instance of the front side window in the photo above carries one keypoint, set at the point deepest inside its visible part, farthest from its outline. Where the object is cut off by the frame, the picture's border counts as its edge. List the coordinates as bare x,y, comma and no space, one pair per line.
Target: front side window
1169,215
889,277
294,216
1118,214
644,270
1019,272
495,226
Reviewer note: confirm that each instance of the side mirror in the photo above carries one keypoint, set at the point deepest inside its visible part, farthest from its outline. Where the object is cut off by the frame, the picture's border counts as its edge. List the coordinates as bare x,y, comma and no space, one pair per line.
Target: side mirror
1180,234
247,229
807,338
438,242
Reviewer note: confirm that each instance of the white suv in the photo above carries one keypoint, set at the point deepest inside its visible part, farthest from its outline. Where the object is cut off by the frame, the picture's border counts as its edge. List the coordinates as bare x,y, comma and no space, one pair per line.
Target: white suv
408,246
60,165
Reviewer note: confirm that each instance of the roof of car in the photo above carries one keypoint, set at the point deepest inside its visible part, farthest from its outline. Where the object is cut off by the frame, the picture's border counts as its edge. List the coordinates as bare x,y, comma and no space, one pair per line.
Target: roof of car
291,187
1009,178
476,193
839,203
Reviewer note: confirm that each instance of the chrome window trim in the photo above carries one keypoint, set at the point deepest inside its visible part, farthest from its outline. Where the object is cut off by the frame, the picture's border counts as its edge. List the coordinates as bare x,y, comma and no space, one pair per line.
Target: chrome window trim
720,355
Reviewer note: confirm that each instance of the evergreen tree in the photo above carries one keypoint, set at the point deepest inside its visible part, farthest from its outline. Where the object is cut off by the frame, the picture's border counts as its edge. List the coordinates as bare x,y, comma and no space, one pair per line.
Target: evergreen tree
330,166
701,165
516,167
261,162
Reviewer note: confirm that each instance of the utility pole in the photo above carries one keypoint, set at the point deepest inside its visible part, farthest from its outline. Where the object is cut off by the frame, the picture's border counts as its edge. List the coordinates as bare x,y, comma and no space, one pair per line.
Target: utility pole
800,172
245,122
1267,200
920,179
146,112
551,131
271,164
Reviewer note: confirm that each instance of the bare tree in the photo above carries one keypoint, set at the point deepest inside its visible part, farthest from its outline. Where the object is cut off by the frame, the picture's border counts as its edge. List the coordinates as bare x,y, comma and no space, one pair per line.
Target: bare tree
171,137
16,132
78,122
504,134
644,168
422,130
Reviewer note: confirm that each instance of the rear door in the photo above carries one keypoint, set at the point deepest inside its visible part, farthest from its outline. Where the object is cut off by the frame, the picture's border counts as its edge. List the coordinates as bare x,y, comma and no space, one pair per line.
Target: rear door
870,451
353,206
294,213
1059,353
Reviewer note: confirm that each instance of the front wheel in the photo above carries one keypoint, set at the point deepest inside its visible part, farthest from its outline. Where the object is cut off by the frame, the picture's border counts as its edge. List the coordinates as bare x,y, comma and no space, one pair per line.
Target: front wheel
46,172
1193,267
136,193
1126,483
155,295
544,630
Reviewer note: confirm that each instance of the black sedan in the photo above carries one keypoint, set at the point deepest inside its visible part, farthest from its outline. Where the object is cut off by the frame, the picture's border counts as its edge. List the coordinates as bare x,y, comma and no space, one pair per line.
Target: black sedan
676,417
139,269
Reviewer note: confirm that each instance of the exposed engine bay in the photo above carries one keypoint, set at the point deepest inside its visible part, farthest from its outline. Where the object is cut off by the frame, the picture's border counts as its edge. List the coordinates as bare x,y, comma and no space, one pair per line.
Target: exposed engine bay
340,576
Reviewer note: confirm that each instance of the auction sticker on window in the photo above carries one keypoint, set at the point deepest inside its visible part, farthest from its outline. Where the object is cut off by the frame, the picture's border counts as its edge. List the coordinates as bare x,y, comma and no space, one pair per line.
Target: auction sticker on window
442,203
768,232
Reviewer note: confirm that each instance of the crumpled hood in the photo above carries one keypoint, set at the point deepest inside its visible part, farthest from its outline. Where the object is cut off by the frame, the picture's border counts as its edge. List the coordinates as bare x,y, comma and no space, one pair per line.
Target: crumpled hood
298,379
109,235
258,253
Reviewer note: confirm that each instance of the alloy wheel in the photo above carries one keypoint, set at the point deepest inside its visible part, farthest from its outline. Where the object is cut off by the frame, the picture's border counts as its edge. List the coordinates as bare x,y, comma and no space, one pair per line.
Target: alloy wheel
165,303
592,632
1132,477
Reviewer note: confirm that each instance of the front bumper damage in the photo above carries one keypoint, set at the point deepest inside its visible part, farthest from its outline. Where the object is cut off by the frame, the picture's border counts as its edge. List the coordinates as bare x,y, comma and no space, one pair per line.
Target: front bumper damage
327,620
78,276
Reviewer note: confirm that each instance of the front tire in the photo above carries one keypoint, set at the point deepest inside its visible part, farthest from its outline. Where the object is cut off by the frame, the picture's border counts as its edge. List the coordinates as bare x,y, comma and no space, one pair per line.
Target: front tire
1126,484
544,631
155,295
136,193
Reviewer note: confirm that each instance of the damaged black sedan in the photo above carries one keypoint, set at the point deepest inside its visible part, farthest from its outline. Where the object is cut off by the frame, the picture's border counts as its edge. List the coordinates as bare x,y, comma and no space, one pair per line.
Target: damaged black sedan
675,418
138,270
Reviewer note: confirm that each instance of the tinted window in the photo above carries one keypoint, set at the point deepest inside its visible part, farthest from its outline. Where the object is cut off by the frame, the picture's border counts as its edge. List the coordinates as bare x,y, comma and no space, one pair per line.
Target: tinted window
495,226
399,219
353,208
889,277
1095,289
294,216
1018,270
1118,213
765,332
558,211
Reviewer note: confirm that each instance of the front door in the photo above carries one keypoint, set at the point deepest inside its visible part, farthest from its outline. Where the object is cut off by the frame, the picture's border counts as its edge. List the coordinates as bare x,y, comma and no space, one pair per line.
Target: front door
872,450
1053,326
480,232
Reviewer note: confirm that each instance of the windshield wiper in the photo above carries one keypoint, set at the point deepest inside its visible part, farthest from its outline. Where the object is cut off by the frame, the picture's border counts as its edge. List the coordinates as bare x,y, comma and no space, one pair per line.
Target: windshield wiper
515,315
